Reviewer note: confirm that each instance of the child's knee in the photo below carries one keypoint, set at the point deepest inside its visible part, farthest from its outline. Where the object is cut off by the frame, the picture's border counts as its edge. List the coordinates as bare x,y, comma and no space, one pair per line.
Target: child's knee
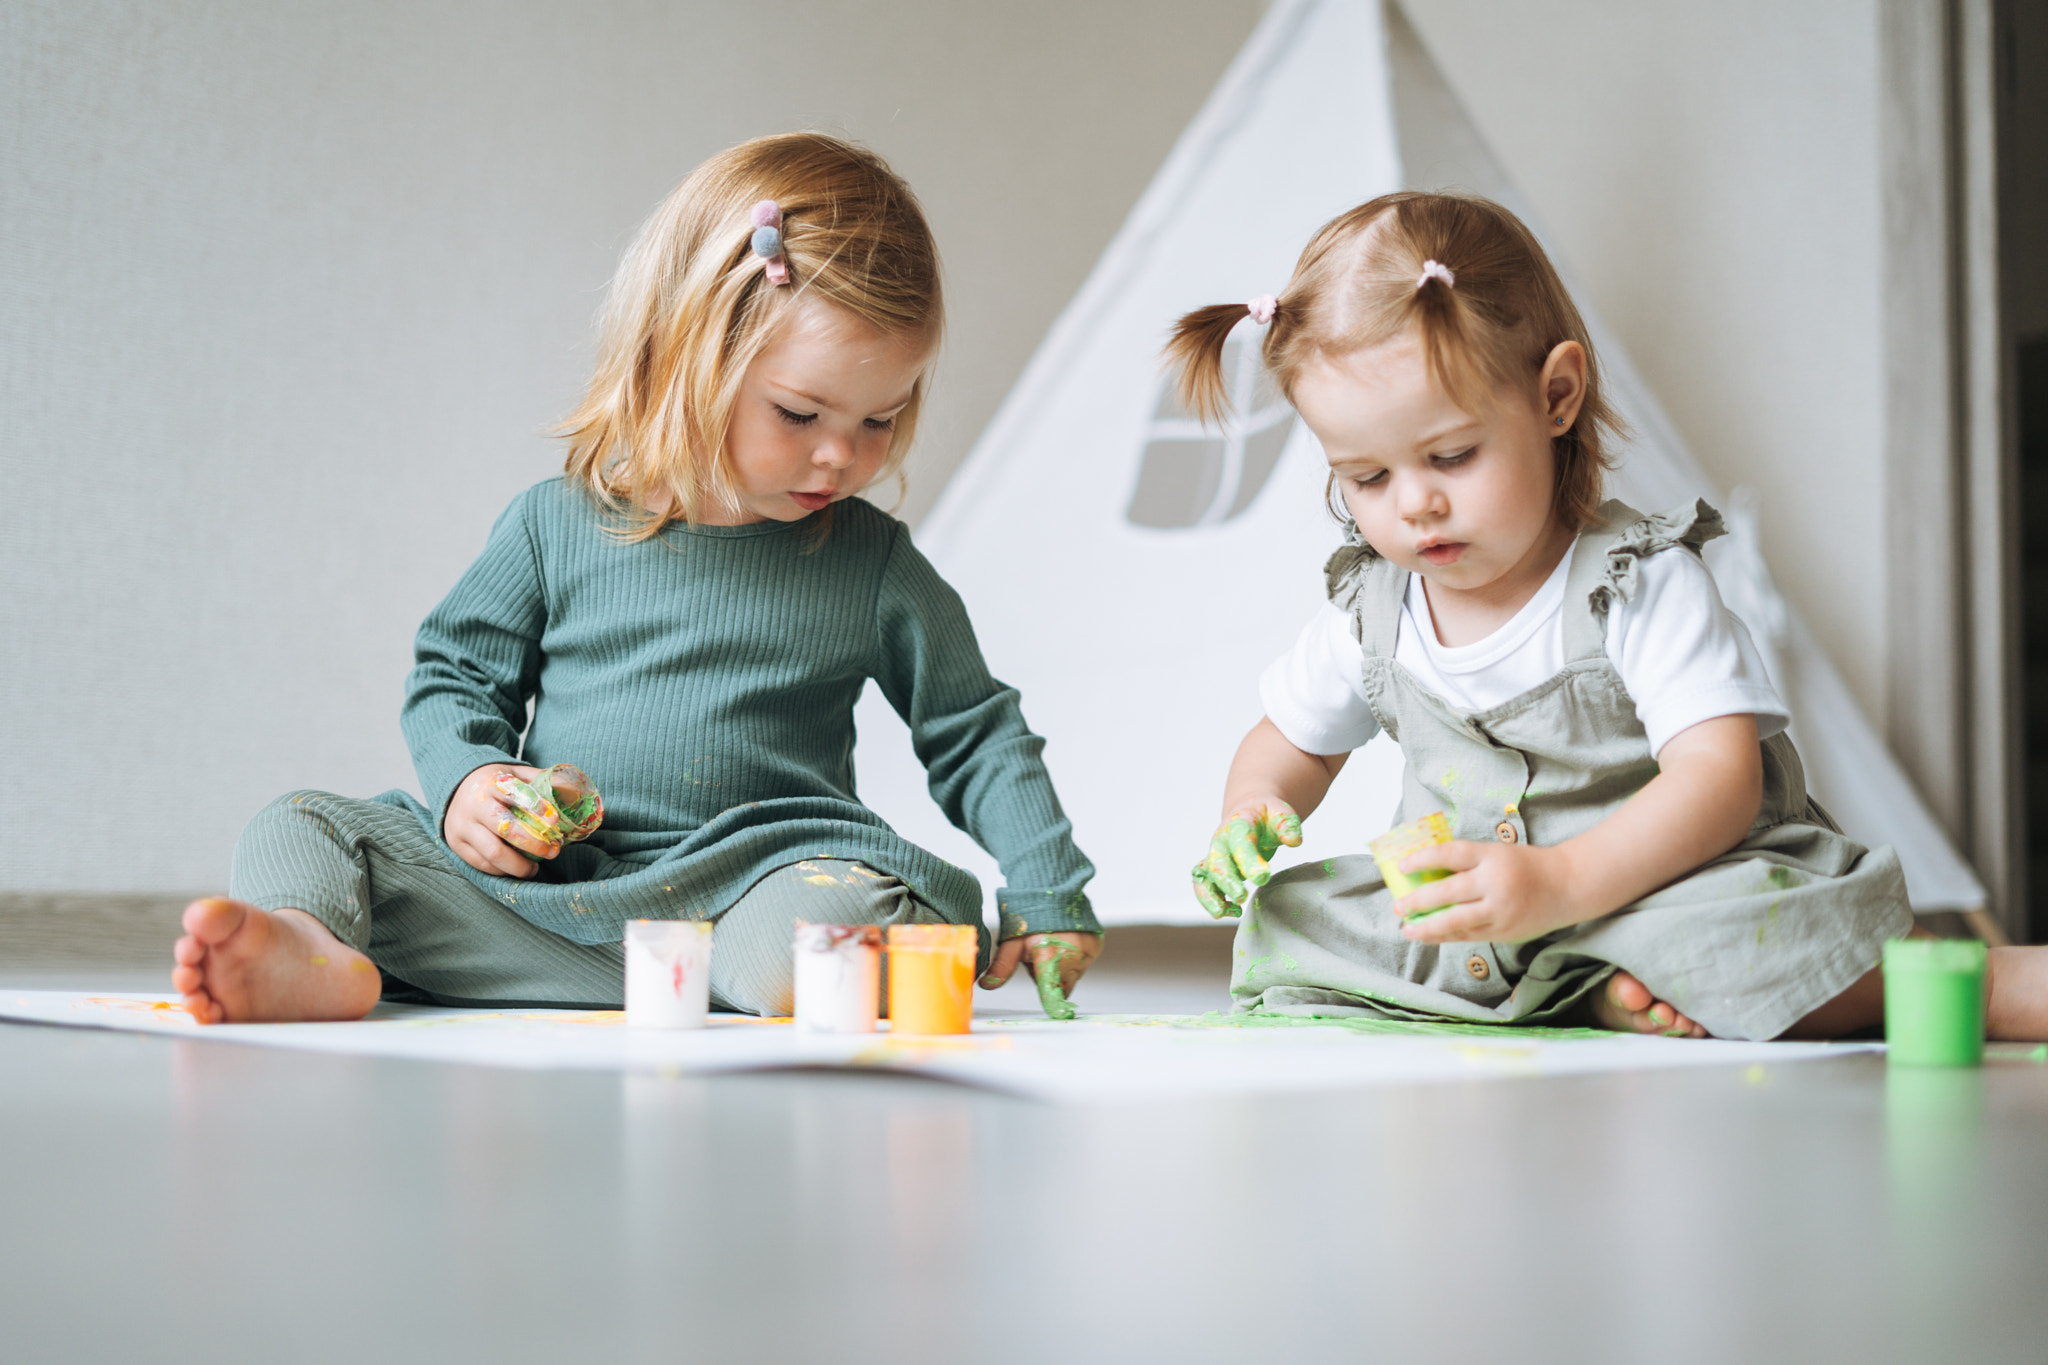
293,808
752,969
837,891
284,832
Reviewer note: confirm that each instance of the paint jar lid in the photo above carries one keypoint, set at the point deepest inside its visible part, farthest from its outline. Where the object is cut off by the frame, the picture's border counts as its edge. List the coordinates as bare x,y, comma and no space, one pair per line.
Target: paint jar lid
1401,840
830,938
933,937
666,930
1934,955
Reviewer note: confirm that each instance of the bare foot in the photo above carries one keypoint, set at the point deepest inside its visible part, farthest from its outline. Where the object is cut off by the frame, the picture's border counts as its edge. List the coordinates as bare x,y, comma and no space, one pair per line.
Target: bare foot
1625,1005
243,965
2016,1006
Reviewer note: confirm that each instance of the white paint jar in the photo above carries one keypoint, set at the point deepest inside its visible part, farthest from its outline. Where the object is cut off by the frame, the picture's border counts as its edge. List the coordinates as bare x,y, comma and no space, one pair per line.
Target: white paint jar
668,973
838,977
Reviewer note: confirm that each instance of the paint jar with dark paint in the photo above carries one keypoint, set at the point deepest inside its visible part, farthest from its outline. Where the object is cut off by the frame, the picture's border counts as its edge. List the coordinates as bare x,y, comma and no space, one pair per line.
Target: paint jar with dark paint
838,977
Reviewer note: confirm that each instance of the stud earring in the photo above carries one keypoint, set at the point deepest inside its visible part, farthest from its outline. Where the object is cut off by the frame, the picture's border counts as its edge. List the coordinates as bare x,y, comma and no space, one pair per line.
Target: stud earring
1560,421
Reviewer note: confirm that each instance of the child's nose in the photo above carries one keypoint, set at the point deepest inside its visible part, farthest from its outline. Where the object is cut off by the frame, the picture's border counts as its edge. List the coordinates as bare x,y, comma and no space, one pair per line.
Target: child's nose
1420,497
834,453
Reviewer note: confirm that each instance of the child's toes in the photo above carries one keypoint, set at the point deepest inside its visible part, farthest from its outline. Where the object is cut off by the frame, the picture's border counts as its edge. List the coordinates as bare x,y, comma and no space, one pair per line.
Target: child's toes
1629,994
1686,1028
1666,1019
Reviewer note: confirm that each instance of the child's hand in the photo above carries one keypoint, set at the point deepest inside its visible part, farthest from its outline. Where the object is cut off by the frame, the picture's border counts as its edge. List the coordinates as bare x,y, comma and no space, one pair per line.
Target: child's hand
476,814
1238,851
1499,893
1073,952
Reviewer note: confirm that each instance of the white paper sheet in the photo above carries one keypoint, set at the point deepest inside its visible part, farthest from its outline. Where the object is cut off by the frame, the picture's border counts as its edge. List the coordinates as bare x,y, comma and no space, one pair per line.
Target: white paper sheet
1093,1060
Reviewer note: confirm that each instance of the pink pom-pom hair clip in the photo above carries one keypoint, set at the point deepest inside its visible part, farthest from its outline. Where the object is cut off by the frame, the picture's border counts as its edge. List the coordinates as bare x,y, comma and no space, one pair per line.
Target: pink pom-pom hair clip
767,240
1261,308
1436,270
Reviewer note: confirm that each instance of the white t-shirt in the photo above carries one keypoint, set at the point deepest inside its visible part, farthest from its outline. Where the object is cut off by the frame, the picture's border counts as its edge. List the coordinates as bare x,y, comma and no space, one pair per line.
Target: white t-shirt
1683,656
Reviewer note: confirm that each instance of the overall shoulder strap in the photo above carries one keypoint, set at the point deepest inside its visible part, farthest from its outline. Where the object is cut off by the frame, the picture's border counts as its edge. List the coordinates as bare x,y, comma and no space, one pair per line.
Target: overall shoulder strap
1370,588
1587,586
1607,561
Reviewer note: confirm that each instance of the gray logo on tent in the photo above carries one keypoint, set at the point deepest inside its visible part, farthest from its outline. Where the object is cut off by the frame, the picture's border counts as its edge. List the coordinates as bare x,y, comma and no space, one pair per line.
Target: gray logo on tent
1202,476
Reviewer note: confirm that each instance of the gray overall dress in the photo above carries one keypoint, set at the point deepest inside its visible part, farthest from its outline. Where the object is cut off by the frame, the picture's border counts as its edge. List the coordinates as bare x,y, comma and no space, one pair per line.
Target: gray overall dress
1747,945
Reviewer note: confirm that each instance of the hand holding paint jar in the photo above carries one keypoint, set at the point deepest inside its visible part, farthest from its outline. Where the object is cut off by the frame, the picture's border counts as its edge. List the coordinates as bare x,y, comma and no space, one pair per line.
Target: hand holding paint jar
1391,848
556,807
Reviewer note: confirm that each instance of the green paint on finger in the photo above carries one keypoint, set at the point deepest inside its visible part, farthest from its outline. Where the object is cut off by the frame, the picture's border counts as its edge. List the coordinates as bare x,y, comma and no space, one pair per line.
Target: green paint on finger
1050,997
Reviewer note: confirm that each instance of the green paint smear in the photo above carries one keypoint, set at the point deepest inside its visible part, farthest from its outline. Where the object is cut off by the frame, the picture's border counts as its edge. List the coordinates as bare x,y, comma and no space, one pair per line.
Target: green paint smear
1258,964
1056,1004
1412,1028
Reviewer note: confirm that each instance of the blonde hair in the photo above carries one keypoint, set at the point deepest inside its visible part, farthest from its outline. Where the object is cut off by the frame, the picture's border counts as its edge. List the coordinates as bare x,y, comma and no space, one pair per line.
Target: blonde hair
689,309
1361,281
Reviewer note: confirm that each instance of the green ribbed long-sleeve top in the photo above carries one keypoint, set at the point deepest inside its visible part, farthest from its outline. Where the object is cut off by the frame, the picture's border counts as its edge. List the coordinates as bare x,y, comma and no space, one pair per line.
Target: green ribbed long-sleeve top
705,679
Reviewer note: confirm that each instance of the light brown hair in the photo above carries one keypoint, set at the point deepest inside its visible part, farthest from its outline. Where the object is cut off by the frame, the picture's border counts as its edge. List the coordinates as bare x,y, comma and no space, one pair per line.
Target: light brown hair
689,309
1360,283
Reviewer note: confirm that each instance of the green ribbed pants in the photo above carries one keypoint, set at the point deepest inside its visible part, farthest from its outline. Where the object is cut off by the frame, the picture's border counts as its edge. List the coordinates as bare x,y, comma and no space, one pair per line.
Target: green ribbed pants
367,871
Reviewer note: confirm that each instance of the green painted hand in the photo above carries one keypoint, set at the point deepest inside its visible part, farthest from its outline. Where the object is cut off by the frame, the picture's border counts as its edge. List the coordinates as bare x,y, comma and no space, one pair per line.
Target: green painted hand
1239,850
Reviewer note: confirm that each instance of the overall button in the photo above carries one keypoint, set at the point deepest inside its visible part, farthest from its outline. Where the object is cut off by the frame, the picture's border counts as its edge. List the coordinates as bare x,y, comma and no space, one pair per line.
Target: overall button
1477,966
1506,832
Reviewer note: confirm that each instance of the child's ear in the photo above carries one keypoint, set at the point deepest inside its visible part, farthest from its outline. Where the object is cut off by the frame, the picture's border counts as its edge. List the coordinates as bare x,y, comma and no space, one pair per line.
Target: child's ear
1563,385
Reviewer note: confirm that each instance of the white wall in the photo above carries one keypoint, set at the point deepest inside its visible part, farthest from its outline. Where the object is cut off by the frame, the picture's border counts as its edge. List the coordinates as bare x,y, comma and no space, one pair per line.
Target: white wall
1710,174
288,292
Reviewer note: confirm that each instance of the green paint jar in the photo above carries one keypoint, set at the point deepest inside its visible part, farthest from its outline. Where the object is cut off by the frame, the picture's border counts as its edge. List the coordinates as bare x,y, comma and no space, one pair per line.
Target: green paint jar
1934,1002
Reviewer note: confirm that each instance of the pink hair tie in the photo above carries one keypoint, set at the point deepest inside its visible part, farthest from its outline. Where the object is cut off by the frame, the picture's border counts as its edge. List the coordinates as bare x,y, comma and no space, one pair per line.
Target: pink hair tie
767,240
1261,308
1439,270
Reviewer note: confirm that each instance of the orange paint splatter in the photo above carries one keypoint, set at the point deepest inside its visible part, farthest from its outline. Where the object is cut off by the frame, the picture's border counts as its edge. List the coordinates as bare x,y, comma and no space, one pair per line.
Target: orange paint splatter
115,1002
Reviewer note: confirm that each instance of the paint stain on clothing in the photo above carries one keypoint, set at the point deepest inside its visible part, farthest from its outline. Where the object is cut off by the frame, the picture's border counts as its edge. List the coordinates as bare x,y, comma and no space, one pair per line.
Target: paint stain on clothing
1779,878
1258,964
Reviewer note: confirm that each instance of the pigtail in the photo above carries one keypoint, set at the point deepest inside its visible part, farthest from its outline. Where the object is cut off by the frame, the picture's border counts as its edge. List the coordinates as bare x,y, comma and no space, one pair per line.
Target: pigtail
1195,355
1447,341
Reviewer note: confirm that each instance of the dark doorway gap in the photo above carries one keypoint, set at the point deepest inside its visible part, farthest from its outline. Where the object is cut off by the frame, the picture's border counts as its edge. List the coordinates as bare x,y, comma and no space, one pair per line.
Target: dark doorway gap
2021,37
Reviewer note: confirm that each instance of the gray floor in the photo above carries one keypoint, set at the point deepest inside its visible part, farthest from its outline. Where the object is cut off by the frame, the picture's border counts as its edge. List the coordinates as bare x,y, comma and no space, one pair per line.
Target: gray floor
175,1201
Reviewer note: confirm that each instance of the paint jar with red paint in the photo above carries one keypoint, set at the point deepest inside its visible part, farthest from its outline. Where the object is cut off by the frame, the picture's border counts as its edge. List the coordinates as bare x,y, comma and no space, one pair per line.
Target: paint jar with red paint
668,973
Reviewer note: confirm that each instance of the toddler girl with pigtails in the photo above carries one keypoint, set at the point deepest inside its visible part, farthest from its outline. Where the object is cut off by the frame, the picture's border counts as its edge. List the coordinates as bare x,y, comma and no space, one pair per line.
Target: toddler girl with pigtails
1633,843
690,612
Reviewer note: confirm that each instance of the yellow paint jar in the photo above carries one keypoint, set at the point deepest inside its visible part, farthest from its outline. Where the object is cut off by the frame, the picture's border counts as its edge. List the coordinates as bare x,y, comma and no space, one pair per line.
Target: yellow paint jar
1397,843
931,978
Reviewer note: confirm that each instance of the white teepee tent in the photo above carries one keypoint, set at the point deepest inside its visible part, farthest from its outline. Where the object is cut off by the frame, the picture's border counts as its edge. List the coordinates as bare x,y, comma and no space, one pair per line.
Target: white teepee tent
1132,573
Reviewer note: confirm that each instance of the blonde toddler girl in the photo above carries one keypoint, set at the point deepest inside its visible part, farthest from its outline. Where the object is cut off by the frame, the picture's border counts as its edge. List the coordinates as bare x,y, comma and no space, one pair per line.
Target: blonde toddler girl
688,615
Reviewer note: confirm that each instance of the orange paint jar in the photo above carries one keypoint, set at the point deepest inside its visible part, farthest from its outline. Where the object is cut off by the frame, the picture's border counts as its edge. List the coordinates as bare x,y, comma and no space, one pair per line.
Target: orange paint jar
931,978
